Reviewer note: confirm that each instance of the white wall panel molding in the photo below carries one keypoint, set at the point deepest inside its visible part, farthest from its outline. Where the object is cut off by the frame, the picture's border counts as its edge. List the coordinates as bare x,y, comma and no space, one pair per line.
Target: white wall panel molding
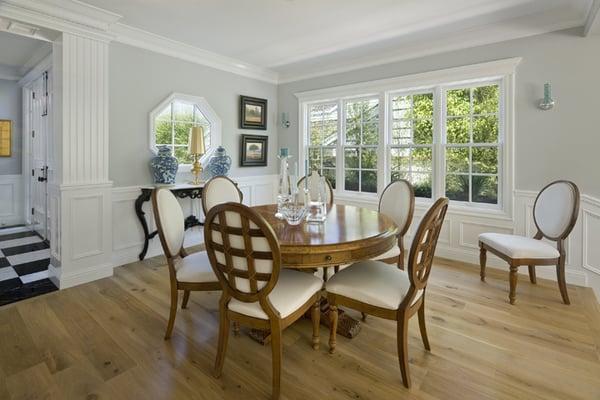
11,200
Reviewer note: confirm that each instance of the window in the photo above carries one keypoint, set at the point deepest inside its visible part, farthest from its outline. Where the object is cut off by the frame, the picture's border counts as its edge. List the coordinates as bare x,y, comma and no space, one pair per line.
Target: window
322,140
361,140
471,145
411,142
172,120
444,131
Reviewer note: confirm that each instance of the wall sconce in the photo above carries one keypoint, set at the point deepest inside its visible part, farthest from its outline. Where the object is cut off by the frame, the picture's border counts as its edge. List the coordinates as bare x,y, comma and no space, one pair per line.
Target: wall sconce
285,120
547,103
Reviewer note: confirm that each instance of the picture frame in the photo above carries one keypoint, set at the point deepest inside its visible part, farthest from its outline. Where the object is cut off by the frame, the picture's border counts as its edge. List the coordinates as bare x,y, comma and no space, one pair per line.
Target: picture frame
253,150
253,113
5,138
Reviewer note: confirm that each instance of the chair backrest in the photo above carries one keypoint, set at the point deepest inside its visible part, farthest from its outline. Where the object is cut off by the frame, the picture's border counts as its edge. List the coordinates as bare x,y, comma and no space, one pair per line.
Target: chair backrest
556,209
243,251
313,187
398,202
169,221
219,190
424,243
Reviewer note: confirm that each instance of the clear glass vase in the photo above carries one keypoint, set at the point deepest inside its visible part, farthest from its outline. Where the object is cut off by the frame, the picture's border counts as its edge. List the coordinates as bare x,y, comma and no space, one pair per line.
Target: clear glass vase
285,189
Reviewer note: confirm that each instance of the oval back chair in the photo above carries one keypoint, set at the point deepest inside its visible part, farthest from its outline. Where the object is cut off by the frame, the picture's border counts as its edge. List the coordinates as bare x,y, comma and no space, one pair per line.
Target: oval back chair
555,213
313,186
186,272
219,190
398,202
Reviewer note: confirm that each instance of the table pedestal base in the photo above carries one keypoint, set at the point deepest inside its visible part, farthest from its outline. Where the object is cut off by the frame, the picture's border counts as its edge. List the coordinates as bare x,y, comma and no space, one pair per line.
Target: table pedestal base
347,326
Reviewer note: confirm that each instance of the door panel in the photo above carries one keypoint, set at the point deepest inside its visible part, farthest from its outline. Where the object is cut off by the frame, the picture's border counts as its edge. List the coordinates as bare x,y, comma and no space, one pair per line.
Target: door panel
39,131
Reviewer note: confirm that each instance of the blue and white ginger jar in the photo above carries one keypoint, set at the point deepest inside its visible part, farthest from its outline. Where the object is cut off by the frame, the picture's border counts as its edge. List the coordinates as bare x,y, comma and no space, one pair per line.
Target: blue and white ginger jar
219,163
164,166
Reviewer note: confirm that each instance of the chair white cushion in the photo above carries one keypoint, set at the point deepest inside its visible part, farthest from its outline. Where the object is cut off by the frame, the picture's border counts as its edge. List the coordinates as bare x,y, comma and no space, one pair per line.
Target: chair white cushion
372,282
291,291
393,252
195,268
519,246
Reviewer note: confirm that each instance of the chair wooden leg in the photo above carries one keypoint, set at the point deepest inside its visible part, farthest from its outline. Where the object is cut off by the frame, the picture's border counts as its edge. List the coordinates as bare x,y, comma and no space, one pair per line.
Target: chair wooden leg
513,276
422,327
315,315
172,313
562,283
222,346
402,339
186,298
336,269
364,316
236,328
482,261
532,277
333,319
276,350
325,274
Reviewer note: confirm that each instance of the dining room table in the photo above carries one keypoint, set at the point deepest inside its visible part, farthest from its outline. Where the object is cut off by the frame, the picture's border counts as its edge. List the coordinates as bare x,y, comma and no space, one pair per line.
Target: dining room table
349,234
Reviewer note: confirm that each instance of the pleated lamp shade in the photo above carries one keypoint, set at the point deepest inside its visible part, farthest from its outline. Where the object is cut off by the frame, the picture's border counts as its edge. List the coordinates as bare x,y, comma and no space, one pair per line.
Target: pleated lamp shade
197,140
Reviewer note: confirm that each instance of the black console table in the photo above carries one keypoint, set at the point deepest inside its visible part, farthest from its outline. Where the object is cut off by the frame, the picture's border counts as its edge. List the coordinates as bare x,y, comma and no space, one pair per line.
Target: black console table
181,191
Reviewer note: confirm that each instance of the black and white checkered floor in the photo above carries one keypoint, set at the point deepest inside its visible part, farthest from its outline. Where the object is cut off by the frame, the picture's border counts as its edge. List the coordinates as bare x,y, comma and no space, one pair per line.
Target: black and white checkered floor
24,260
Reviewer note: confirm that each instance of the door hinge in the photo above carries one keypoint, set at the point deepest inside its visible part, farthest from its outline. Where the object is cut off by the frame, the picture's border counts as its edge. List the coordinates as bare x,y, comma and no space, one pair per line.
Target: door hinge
33,172
32,134
32,211
33,95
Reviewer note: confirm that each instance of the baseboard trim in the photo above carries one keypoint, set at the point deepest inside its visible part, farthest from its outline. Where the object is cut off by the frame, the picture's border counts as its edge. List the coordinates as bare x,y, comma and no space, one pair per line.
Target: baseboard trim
64,281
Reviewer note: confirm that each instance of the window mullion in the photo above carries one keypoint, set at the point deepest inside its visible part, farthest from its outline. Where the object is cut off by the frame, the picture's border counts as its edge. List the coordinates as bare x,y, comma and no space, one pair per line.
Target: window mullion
439,151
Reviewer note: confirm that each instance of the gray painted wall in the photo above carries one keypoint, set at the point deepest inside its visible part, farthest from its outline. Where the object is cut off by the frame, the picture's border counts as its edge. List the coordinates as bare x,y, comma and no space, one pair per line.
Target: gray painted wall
11,108
140,80
561,143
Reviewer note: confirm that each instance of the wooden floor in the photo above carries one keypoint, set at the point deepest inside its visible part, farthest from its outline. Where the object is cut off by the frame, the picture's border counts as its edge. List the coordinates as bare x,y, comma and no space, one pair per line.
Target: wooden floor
104,340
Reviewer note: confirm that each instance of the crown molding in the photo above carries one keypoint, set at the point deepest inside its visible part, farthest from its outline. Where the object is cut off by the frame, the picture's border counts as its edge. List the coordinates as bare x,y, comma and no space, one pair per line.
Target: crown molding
159,44
592,22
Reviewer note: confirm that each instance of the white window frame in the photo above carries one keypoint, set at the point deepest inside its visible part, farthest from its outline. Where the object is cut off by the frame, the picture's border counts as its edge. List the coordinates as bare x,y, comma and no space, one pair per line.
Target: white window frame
501,71
205,109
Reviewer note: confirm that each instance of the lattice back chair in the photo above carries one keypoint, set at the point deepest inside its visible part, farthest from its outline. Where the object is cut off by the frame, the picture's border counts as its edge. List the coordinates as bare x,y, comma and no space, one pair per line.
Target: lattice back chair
372,287
397,202
245,255
219,190
555,213
313,185
186,272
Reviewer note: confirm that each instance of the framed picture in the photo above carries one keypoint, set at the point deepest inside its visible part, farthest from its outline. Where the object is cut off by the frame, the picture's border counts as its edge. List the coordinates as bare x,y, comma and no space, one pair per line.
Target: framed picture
253,152
5,137
253,113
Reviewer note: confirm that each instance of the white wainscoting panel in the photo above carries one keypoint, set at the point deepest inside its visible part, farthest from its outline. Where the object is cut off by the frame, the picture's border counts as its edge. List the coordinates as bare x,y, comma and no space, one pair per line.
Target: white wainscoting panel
127,236
11,200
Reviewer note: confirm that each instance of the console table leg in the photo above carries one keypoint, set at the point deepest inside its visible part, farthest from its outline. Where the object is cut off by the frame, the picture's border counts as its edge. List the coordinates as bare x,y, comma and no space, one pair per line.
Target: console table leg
139,202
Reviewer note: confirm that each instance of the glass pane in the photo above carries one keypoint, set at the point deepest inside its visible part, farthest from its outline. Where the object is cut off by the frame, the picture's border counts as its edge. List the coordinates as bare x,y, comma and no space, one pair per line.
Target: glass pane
329,158
457,159
457,187
182,155
316,134
485,129
163,132
400,159
485,189
485,99
396,175
401,103
351,158
182,132
421,159
485,160
458,102
370,110
330,175
330,134
183,112
314,159
199,118
165,115
423,105
421,184
457,130
353,133
370,133
368,181
207,141
368,159
401,136
351,180
423,133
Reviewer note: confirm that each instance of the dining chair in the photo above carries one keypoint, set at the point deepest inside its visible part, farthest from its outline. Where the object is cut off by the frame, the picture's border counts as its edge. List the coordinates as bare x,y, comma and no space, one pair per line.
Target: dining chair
245,255
187,272
219,190
313,185
374,288
397,202
555,213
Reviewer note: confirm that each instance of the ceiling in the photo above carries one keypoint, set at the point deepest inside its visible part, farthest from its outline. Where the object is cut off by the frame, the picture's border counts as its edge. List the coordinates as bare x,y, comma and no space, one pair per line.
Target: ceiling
18,50
300,38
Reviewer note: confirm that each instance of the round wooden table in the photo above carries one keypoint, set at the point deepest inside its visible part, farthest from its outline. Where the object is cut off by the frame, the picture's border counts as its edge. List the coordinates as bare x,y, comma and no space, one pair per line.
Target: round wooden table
349,234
